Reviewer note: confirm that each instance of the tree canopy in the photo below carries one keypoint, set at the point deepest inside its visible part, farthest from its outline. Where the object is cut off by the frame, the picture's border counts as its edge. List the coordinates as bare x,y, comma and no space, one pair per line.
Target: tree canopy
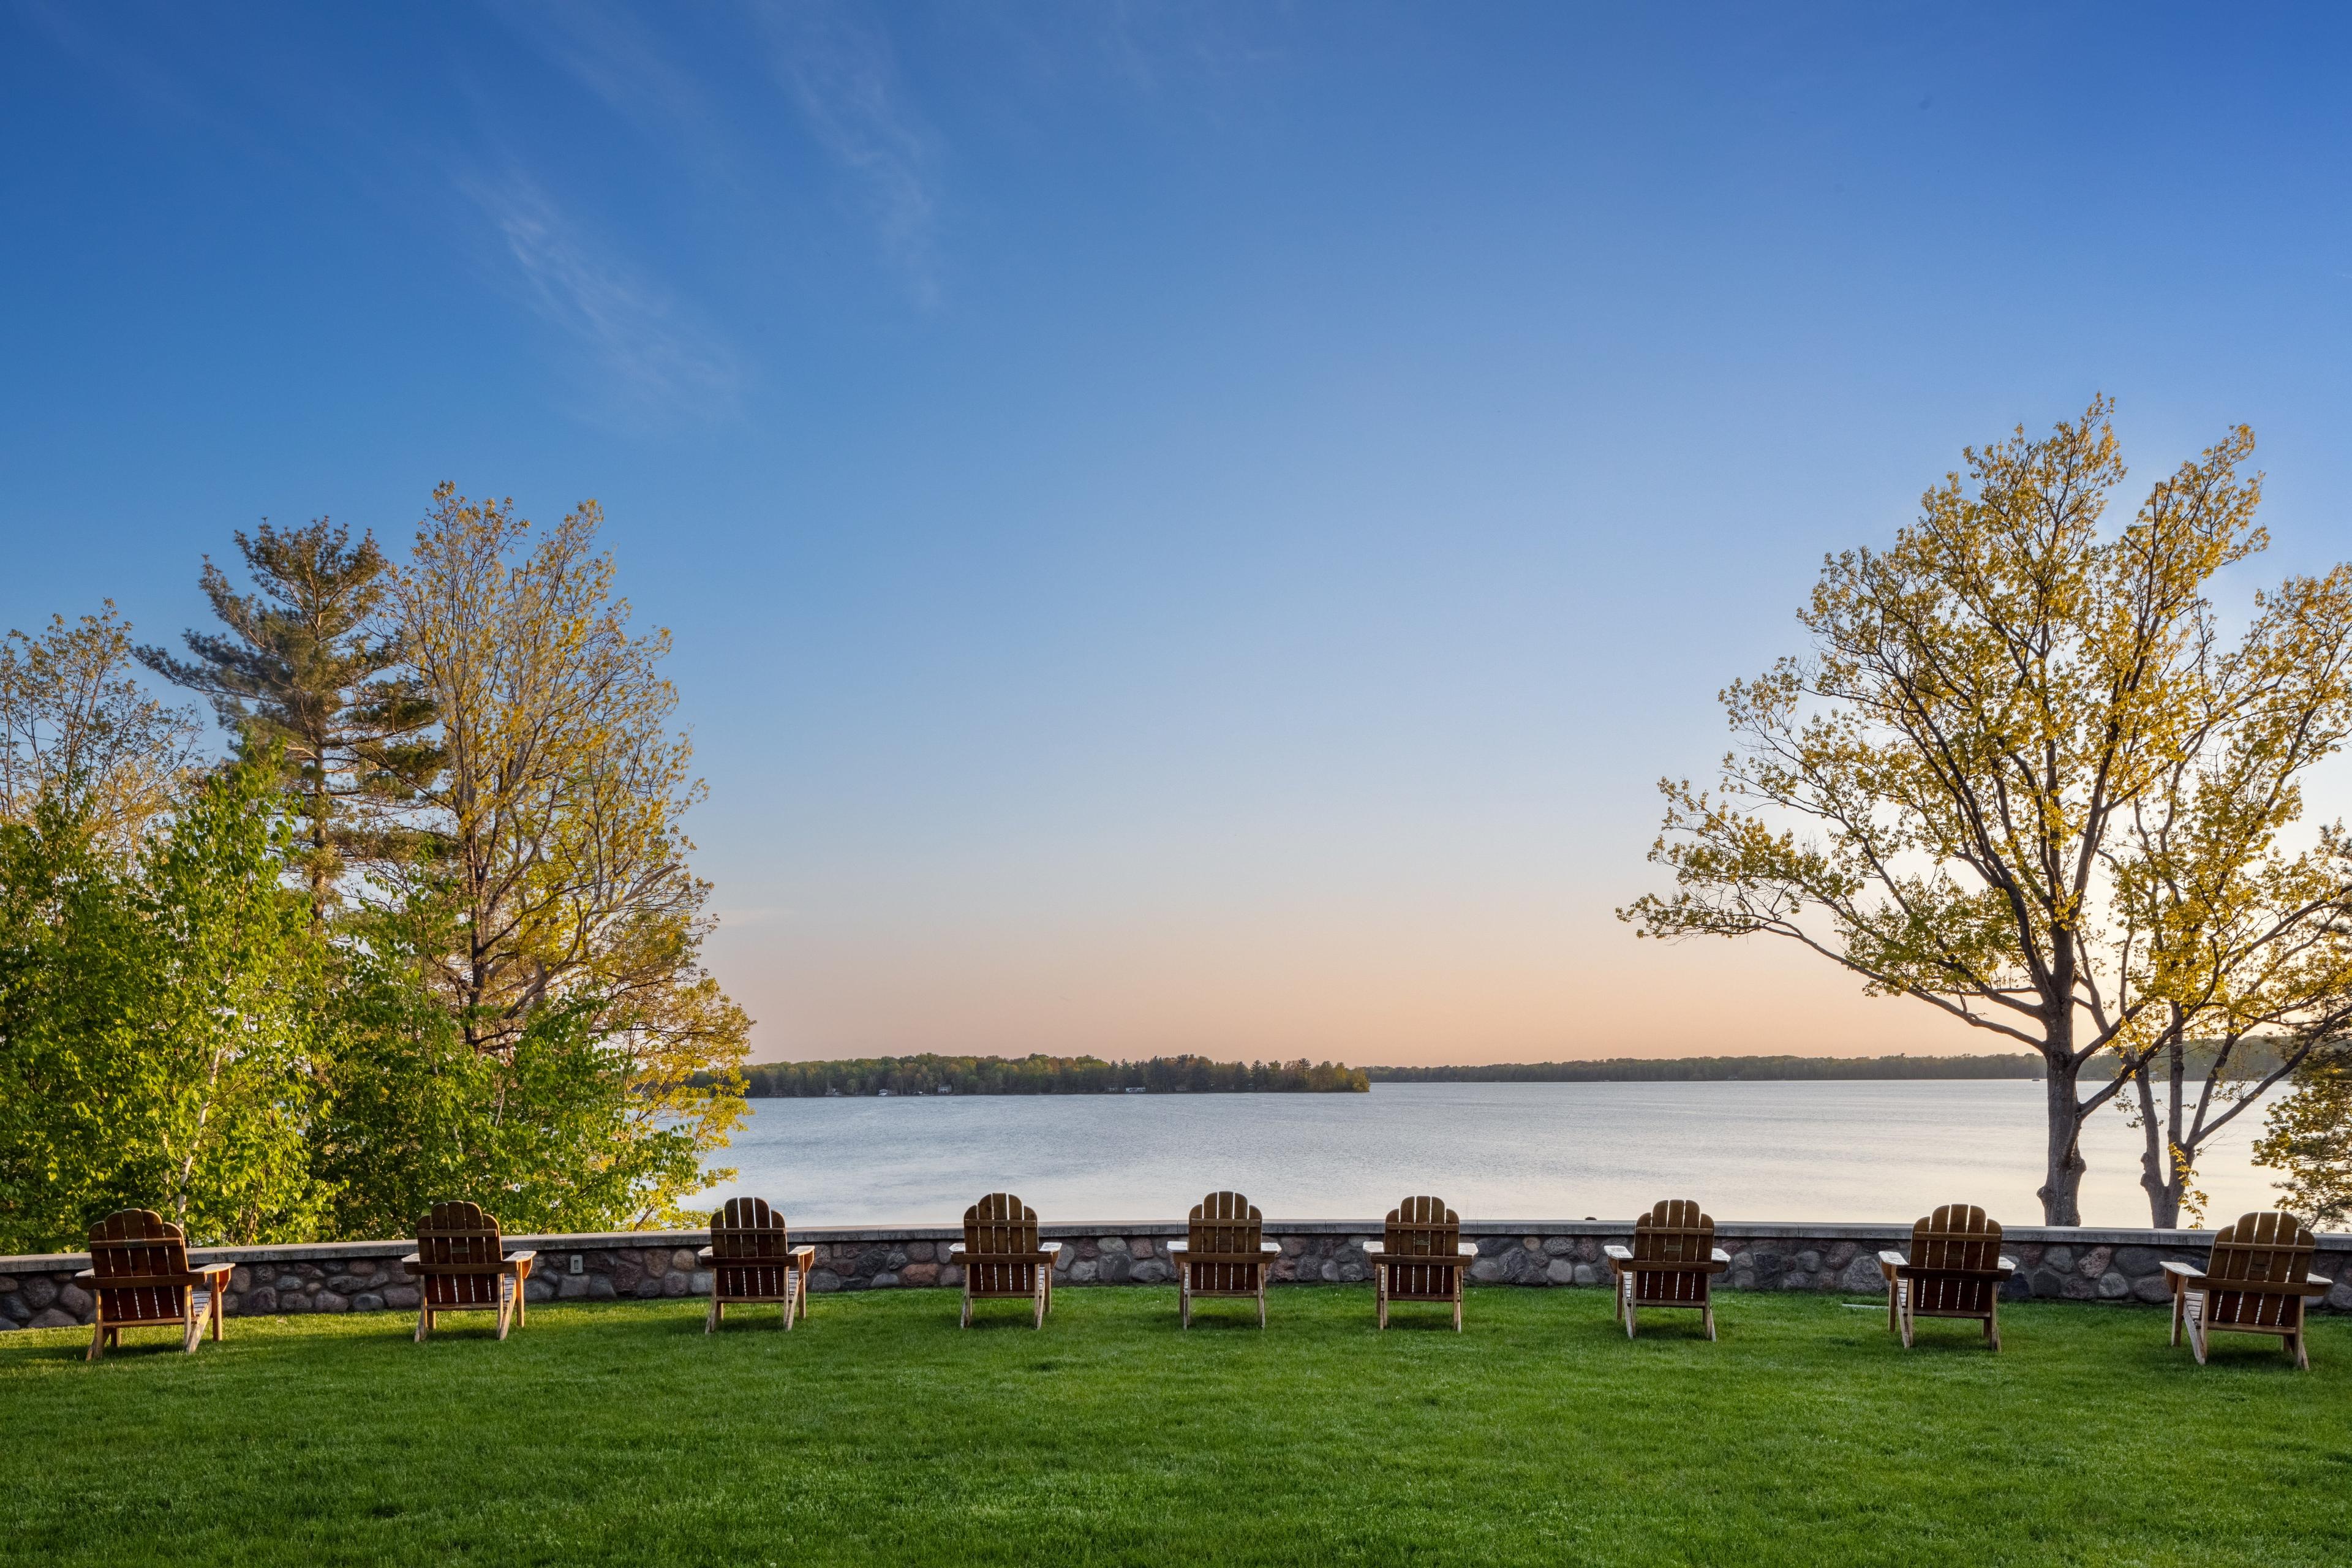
1939,793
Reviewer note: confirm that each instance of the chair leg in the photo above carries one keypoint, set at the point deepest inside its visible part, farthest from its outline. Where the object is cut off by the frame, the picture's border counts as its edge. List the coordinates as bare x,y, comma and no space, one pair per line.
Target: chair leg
1902,1288
965,1322
2179,1302
2197,1335
192,1333
1260,1296
220,1312
1184,1299
1707,1314
424,1321
97,1340
1381,1297
522,1300
1992,1327
710,1317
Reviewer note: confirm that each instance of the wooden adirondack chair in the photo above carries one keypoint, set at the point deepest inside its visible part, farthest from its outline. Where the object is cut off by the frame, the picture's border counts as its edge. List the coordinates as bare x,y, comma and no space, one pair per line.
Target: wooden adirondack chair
1225,1253
140,1274
751,1260
1422,1258
1955,1270
2255,1283
460,1267
1002,1257
1673,1263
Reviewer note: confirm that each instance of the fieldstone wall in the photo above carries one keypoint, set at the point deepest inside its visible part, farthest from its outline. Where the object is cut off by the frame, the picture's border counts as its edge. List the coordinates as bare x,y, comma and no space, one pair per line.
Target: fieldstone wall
2073,1265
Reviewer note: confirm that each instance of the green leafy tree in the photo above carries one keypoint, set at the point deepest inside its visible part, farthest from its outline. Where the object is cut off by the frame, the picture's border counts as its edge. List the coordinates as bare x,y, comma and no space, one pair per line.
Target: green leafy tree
156,1016
547,1132
2309,1138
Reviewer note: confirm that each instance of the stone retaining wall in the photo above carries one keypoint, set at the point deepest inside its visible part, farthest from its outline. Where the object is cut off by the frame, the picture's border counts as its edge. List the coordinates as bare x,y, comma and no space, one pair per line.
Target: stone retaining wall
2075,1265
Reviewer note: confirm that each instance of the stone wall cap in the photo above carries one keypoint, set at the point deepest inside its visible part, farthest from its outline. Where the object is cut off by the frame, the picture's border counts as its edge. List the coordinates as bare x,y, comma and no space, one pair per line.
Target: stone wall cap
629,1240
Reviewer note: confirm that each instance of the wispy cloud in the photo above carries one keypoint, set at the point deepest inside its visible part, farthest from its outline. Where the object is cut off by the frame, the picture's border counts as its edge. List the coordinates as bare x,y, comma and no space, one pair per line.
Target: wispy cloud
845,80
655,357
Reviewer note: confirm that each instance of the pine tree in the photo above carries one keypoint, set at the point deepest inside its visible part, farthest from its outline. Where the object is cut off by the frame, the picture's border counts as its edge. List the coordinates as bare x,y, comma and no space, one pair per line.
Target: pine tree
309,665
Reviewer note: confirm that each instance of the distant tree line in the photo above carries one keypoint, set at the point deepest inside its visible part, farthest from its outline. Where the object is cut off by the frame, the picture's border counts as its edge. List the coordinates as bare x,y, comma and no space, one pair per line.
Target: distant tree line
1048,1075
2247,1059
1684,1069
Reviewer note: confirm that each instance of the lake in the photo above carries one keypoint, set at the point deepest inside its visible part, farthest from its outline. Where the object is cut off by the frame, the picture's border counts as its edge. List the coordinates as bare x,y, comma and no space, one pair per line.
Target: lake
1849,1151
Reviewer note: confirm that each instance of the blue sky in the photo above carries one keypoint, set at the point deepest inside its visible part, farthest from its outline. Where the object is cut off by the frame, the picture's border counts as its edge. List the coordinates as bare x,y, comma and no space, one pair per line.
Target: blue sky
1185,528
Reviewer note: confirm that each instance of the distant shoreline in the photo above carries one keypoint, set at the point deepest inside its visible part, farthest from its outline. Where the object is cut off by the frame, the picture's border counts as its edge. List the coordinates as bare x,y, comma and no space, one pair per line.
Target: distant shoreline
2253,1058
911,1077
1721,1069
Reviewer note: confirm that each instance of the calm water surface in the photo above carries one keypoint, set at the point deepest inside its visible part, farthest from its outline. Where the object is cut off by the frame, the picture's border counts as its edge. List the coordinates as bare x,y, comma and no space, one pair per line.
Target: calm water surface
1853,1150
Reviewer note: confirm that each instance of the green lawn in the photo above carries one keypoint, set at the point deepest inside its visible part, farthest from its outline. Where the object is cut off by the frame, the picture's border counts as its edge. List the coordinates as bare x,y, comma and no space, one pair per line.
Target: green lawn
876,1432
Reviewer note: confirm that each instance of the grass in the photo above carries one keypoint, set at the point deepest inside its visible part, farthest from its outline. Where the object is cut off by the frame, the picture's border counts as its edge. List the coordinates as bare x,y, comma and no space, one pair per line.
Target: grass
876,1432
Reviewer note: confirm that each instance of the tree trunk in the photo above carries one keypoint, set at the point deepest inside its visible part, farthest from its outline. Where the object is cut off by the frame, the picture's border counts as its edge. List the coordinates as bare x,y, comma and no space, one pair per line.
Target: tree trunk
2160,1178
2061,1185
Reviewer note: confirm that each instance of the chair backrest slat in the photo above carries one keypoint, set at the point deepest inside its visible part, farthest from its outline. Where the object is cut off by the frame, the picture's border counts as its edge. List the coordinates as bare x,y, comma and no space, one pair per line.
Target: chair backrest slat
1957,1238
134,1243
1225,1222
459,1234
1422,1227
748,1230
999,1224
139,1244
2269,1247
1674,1231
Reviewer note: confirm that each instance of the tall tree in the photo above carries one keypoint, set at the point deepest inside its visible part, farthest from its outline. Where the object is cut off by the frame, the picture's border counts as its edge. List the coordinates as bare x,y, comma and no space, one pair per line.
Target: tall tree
1981,704
552,872
307,669
77,732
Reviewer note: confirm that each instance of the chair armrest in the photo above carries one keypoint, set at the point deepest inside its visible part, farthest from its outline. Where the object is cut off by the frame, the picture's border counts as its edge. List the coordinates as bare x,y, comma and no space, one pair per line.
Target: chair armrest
2006,1265
1049,1246
1618,1254
1892,1260
955,1249
1718,1256
2184,1270
88,1276
703,1256
1270,1249
417,1258
525,1255
2318,1284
